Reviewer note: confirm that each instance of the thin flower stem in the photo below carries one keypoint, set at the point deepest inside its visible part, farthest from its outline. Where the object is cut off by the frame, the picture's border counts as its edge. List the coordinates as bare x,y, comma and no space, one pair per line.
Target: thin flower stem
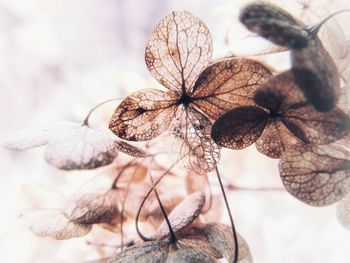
233,187
86,120
173,237
314,29
121,172
235,239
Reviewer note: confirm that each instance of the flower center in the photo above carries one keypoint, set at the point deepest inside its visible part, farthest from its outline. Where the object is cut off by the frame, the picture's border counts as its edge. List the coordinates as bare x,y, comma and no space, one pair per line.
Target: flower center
184,99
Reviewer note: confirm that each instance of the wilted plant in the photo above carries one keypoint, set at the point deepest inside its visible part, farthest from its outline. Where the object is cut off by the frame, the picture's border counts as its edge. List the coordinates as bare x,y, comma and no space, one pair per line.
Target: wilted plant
293,115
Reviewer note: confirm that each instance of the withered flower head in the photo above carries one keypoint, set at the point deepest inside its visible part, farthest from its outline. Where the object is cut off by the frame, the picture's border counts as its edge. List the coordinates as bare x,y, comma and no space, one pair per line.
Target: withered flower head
282,119
177,55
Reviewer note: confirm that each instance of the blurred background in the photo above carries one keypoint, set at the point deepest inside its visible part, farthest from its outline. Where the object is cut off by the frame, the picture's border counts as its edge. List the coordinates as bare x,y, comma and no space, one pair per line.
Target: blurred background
58,58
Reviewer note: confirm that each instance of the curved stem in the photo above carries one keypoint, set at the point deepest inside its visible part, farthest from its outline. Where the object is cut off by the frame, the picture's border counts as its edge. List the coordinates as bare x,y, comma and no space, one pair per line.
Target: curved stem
144,238
314,29
121,172
235,239
86,120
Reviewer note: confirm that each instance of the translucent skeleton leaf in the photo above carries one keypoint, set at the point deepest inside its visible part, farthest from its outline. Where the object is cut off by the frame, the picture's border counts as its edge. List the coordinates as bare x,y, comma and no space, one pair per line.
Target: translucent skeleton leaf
187,249
281,119
314,70
177,55
73,146
182,215
343,211
317,175
220,237
94,208
53,223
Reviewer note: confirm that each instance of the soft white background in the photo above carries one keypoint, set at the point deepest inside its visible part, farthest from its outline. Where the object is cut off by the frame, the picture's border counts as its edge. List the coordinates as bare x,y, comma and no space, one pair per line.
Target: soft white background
58,58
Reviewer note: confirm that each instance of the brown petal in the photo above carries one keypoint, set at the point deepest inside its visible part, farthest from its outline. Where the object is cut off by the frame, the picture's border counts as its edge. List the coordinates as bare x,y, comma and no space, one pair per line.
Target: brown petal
94,208
275,139
179,47
316,75
130,149
240,127
199,243
220,237
143,115
316,175
183,214
275,24
228,84
280,93
316,127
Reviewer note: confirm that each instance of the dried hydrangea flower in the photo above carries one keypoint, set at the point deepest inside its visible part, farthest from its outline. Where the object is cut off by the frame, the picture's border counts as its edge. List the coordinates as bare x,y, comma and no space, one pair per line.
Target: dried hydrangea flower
317,175
282,119
177,55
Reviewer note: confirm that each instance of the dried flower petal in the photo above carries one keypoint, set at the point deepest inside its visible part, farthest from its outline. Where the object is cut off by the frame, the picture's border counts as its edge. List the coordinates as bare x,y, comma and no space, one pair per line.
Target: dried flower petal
343,211
179,48
281,96
195,146
275,24
29,139
143,115
316,75
94,208
169,202
190,255
183,214
161,251
240,127
54,224
228,84
81,148
317,175
220,236
130,149
275,139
